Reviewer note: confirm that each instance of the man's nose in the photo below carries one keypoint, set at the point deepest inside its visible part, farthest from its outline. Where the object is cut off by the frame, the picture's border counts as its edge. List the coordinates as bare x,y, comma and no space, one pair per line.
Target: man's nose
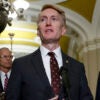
48,22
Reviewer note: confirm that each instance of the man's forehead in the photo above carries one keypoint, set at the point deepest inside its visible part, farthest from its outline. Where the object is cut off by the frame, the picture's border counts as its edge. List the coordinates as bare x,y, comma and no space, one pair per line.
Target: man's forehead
49,12
49,9
5,51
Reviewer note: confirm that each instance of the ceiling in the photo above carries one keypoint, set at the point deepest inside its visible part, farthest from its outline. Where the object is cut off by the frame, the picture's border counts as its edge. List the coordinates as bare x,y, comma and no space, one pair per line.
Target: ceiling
83,7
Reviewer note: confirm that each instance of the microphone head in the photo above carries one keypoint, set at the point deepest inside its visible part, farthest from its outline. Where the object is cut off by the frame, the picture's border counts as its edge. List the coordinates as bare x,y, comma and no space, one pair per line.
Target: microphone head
62,69
64,75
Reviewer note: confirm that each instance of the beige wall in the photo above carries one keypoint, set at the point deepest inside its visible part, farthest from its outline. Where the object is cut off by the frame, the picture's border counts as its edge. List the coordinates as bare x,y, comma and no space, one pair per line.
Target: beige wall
98,59
91,69
90,56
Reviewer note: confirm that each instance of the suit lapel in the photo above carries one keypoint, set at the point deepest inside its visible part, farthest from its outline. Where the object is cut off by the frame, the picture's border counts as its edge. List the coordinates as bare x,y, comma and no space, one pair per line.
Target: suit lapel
66,61
66,65
39,67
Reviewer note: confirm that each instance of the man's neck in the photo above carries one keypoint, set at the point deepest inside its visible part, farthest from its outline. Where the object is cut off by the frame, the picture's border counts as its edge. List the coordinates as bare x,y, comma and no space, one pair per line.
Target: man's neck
51,47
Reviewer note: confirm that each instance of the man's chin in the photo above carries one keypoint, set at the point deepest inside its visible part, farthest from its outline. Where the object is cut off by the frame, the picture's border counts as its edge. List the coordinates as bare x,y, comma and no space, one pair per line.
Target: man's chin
7,68
50,41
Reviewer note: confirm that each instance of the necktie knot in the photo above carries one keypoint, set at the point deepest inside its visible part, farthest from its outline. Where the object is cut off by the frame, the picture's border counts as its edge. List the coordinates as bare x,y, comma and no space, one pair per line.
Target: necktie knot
6,75
51,54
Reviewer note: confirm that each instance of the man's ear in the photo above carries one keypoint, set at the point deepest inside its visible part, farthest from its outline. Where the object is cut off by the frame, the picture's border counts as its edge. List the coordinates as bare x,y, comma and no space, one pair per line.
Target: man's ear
64,30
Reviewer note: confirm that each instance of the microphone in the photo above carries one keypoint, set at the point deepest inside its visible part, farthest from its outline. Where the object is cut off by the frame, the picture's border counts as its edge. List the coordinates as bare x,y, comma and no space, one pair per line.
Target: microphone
65,81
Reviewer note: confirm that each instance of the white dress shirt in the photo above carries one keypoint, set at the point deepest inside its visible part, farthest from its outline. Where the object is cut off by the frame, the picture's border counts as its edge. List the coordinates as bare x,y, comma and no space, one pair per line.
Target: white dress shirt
46,59
2,75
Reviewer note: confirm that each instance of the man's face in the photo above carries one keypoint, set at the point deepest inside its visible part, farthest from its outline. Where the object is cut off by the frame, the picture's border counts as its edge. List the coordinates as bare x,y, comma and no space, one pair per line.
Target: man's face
5,59
50,27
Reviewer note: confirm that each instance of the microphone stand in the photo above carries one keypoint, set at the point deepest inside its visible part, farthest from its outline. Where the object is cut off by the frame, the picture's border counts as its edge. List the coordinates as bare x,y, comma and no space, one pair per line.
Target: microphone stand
65,82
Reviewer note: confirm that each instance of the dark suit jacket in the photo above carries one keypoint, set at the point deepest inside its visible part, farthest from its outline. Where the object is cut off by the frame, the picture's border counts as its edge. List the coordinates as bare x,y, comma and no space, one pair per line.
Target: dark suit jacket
2,93
98,88
28,80
1,87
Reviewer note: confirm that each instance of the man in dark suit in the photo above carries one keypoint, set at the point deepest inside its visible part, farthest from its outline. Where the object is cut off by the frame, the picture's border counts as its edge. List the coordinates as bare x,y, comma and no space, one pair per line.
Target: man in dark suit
31,75
98,88
5,68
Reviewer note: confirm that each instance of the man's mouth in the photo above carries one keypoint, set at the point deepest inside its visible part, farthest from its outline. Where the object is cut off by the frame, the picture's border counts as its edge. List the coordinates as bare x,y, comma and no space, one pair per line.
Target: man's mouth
49,30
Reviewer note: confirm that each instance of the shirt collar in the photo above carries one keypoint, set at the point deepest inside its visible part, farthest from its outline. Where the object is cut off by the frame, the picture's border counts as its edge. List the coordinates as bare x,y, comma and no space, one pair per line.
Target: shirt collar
44,51
3,74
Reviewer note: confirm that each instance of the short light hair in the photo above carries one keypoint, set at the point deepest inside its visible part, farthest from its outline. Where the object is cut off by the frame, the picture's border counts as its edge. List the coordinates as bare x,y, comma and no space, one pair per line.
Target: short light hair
58,9
3,48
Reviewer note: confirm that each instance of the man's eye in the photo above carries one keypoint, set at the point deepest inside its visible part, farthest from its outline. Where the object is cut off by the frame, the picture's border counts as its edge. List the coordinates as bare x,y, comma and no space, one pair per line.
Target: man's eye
54,19
42,19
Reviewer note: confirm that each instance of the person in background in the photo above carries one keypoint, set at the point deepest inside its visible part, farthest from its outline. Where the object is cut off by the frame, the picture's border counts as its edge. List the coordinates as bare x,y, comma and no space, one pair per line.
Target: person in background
5,68
31,75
